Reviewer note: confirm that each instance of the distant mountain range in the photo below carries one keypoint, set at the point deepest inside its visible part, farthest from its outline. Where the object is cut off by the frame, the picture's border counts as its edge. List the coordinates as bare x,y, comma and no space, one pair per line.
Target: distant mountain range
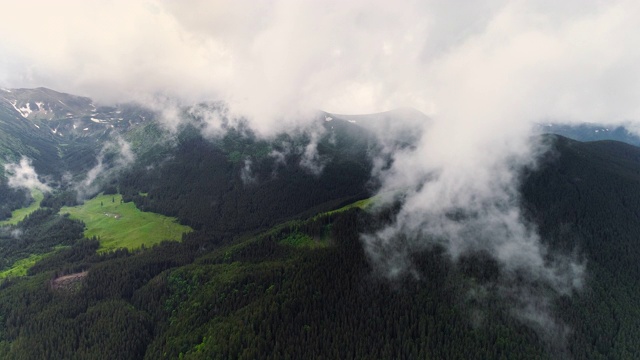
590,132
70,115
60,119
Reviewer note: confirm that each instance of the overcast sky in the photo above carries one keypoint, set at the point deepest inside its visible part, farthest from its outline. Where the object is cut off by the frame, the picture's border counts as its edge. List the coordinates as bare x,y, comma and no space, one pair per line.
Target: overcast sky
523,60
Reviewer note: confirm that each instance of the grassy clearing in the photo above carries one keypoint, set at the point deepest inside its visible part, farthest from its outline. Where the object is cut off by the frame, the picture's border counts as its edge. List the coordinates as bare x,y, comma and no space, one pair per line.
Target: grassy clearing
20,267
123,225
19,214
304,241
367,204
364,204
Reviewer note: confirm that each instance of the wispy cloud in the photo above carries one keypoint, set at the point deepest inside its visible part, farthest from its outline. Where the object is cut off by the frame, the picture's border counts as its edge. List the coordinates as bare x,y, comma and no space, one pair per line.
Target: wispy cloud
23,175
464,197
114,157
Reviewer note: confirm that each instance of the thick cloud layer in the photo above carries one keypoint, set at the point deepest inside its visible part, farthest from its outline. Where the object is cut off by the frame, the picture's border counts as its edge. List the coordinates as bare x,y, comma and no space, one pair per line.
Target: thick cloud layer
458,61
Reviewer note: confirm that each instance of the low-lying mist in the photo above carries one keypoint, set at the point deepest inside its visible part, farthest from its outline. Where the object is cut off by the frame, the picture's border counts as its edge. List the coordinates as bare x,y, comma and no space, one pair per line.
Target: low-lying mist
460,192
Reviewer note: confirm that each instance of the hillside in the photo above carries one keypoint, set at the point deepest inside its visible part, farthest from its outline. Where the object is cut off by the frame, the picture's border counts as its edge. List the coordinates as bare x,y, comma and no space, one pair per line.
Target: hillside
586,195
61,134
275,266
225,194
66,115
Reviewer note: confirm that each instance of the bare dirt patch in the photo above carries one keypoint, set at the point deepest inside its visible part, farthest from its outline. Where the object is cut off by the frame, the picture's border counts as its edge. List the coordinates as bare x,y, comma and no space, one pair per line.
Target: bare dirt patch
68,282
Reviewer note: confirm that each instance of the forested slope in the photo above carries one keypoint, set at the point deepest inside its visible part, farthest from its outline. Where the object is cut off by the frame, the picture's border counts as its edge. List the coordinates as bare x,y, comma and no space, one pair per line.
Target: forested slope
236,183
587,196
305,288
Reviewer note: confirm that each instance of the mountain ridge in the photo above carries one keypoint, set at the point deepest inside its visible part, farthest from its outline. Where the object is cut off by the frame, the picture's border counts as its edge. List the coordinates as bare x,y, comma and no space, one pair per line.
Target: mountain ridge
277,267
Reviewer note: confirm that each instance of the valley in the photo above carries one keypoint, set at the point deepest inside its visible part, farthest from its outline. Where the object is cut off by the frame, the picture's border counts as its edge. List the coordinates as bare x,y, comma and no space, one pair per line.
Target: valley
19,214
313,180
186,245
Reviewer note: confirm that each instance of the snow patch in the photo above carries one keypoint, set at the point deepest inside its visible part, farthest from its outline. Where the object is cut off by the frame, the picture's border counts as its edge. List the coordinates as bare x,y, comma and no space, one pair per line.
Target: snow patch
74,126
6,90
36,126
25,111
85,129
96,120
328,118
13,103
352,121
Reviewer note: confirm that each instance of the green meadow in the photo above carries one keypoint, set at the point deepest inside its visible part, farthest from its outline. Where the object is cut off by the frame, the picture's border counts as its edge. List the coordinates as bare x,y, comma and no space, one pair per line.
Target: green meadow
19,214
20,267
123,225
364,204
302,240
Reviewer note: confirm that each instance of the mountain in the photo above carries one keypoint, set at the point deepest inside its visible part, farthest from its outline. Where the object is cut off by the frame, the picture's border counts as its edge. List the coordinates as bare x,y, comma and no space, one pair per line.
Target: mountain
69,115
274,265
590,132
236,183
61,133
403,125
46,104
20,137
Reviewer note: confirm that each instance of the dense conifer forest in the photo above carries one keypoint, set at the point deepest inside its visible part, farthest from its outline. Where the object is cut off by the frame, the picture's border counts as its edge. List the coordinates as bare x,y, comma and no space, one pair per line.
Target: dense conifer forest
217,198
271,273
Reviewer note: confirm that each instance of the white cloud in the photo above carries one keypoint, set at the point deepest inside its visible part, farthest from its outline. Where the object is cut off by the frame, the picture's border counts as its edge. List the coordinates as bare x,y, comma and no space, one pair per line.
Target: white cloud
23,175
246,174
16,233
519,60
122,157
481,70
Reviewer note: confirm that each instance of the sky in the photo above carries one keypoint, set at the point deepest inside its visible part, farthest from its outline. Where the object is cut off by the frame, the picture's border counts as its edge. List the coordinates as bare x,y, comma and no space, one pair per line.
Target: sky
482,71
525,60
